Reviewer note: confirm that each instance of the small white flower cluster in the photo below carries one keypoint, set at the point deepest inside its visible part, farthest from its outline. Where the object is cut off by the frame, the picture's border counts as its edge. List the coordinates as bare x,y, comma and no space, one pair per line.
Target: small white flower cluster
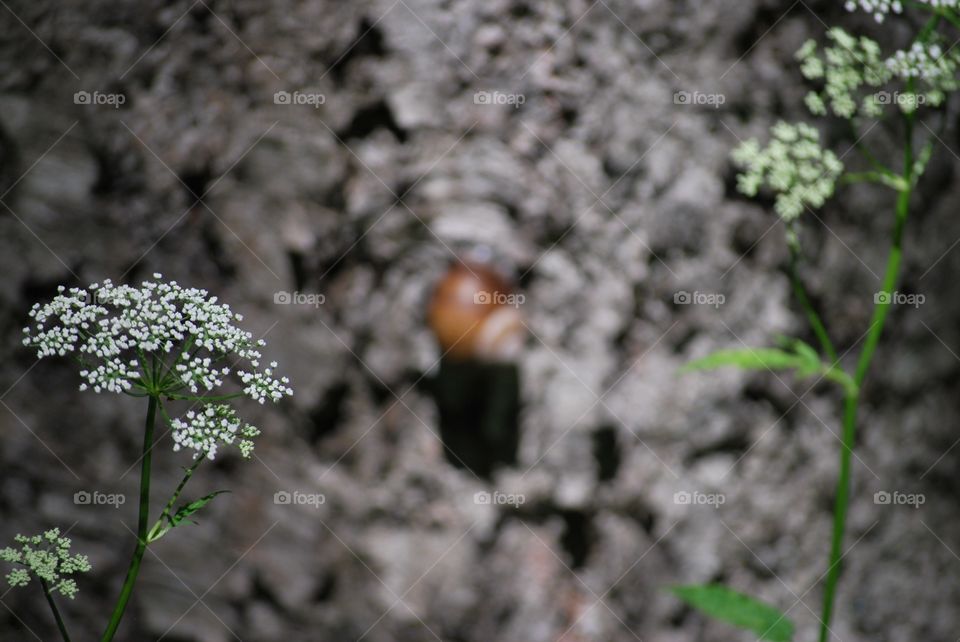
48,557
202,431
262,385
929,63
879,8
846,66
793,165
882,8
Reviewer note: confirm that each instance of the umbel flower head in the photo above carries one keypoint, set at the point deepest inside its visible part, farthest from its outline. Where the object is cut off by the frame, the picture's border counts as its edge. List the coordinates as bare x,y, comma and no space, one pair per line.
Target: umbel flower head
48,557
844,67
932,64
164,341
793,165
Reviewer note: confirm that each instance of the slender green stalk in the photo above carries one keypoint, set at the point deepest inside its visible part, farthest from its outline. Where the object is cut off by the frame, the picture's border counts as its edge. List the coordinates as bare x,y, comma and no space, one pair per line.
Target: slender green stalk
143,517
852,398
816,323
56,611
165,515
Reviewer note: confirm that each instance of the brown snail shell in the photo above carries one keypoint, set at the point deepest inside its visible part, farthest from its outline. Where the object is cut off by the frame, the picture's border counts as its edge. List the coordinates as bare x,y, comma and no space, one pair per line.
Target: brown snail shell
474,314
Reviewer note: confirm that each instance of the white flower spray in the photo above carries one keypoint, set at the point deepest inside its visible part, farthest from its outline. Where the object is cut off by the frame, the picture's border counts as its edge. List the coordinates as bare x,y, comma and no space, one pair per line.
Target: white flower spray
170,345
165,340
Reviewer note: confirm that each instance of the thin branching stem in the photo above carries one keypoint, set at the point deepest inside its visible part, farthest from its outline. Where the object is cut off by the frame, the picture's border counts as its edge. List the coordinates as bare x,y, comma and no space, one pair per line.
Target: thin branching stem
816,323
165,515
61,626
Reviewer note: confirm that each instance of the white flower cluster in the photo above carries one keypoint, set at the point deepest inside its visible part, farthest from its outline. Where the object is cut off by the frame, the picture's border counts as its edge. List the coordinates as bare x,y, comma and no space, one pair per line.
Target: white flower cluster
851,64
793,165
879,8
122,326
159,339
48,557
928,62
847,65
202,431
263,385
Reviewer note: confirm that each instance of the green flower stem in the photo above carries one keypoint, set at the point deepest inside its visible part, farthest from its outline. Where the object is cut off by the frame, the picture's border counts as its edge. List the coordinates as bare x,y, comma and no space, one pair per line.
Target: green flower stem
893,181
861,147
852,398
143,517
816,323
56,611
165,515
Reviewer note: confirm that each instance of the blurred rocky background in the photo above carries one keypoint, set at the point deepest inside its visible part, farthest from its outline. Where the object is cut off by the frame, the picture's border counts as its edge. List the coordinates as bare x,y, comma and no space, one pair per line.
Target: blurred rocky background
412,131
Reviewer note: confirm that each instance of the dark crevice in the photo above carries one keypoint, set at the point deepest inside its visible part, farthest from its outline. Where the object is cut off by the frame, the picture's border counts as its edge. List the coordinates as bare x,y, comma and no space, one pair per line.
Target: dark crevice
215,251
579,533
735,445
10,160
367,44
261,592
369,119
520,10
479,408
298,268
642,514
325,418
326,588
680,345
758,390
606,452
578,536
195,182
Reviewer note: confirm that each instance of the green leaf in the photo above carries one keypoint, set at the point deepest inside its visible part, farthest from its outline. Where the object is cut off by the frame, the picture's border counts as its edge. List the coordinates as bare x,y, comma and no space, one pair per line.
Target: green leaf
747,359
187,510
737,609
792,354
182,513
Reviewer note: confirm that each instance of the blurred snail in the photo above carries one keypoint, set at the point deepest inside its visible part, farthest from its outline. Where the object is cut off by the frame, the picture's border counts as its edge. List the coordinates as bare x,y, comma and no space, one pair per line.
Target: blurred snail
474,314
